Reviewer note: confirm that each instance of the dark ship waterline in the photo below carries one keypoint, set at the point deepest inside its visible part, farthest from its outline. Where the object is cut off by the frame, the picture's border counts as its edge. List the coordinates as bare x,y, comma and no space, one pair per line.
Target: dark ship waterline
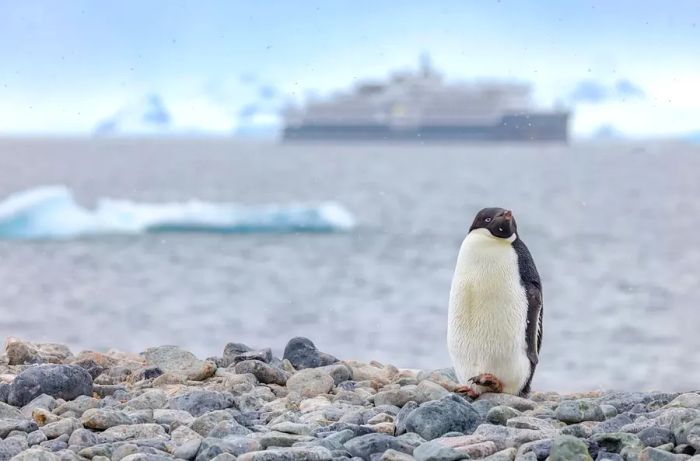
421,106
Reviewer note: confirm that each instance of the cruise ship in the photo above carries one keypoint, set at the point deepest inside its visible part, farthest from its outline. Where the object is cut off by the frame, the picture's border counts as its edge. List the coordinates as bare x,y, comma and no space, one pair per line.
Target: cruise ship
422,106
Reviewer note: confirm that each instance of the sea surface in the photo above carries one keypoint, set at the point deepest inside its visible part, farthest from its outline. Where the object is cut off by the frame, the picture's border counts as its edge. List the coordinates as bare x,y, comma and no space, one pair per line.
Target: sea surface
614,230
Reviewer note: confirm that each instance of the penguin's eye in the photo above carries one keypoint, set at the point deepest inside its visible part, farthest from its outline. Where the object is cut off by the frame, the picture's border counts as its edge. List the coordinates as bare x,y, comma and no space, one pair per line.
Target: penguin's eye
487,219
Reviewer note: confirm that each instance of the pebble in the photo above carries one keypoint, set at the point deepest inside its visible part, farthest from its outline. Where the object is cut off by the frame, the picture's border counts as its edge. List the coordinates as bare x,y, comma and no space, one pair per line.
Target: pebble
59,381
451,413
302,353
264,373
249,405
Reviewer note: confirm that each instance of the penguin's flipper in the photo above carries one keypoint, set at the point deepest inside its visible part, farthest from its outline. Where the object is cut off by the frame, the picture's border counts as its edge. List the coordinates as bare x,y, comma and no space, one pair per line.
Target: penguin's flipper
533,332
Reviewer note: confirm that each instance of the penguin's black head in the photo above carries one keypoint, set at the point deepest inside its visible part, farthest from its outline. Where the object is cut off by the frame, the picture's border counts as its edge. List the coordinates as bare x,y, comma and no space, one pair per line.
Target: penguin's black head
498,221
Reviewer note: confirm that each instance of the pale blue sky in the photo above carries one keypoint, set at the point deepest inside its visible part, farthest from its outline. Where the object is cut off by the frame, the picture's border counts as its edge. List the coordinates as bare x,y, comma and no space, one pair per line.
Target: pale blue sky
65,65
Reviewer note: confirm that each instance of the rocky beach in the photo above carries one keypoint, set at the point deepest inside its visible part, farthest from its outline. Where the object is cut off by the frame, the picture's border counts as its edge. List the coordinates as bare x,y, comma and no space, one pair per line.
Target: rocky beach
249,405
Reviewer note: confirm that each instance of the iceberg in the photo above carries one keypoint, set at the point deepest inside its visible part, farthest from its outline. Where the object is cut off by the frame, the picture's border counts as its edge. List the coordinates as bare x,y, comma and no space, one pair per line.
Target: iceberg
51,212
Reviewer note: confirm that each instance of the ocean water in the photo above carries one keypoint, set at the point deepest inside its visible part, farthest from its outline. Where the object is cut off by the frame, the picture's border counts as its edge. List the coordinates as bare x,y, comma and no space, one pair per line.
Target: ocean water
613,230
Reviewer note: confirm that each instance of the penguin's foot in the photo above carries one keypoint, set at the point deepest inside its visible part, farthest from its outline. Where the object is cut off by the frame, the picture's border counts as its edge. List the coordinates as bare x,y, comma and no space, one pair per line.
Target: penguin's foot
469,391
488,381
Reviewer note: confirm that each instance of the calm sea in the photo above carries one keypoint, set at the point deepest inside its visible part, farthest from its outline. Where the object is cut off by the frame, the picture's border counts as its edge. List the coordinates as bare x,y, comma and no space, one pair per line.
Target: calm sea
613,229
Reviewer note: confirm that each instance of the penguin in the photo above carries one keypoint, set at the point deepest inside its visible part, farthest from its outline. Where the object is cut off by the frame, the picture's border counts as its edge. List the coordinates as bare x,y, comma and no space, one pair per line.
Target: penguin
494,328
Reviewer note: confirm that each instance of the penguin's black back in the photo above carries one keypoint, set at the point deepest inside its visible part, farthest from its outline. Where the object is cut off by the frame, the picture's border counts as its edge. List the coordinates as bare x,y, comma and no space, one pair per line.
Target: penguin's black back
530,280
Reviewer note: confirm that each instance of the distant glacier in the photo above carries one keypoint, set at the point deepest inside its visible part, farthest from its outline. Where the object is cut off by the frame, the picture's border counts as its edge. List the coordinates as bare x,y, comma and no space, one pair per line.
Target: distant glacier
51,212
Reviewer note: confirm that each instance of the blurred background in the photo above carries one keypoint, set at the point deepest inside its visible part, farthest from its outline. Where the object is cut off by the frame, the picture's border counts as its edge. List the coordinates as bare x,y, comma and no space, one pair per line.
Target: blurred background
195,173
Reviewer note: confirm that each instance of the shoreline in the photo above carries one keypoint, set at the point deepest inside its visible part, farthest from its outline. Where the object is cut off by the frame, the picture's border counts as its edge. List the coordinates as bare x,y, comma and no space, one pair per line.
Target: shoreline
249,405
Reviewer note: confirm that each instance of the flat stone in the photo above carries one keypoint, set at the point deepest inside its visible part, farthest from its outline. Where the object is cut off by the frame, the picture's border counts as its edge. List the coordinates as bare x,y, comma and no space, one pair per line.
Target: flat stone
34,454
134,431
63,426
100,419
654,454
438,417
60,381
10,412
172,359
310,382
529,422
152,399
569,448
280,439
576,411
435,451
507,437
227,428
172,417
211,447
369,444
397,397
540,448
302,353
199,402
82,438
289,454
263,372
614,424
504,455
294,428
654,436
500,414
393,455
688,400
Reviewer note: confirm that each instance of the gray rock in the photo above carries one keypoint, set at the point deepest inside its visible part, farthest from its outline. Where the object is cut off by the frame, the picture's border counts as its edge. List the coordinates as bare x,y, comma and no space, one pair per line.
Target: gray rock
506,437
61,381
673,418
339,372
436,451
224,457
369,444
393,455
82,438
412,439
619,442
35,438
504,455
310,382
576,411
688,400
613,424
210,448
205,423
580,430
226,428
63,426
500,414
43,401
54,445
197,403
608,410
264,355
689,434
172,359
289,454
10,412
34,454
100,419
280,439
295,428
654,454
530,422
76,407
4,392
397,397
654,436
172,417
9,448
625,401
187,442
540,448
428,390
264,373
151,399
508,400
568,448
451,413
133,431
302,353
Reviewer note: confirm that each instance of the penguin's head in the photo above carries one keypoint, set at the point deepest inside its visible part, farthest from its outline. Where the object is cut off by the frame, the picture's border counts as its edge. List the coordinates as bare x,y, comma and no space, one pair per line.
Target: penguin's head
499,222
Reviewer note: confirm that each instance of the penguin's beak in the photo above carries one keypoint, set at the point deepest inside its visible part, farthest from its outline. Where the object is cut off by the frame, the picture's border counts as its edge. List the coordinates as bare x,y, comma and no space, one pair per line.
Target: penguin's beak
507,215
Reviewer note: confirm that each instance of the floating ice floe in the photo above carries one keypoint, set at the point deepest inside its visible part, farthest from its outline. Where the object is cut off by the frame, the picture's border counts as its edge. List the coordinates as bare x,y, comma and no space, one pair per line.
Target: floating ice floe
51,212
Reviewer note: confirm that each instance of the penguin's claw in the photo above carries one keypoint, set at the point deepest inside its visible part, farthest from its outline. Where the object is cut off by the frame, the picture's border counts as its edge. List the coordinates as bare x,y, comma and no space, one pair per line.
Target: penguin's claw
468,391
489,381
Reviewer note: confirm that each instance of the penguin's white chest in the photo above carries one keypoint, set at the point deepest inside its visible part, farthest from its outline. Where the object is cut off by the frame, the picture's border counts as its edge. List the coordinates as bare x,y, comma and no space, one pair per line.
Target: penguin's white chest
488,313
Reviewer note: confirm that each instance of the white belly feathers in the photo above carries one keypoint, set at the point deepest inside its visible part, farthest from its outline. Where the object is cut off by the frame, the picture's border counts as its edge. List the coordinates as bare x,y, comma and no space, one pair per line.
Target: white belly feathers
488,313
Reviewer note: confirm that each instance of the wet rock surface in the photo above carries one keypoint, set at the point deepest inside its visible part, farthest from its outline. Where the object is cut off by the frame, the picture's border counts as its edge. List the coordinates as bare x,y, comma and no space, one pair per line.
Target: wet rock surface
249,405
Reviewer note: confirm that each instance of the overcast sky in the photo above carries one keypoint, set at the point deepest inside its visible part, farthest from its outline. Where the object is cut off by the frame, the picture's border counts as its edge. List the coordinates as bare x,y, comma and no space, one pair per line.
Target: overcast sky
66,65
